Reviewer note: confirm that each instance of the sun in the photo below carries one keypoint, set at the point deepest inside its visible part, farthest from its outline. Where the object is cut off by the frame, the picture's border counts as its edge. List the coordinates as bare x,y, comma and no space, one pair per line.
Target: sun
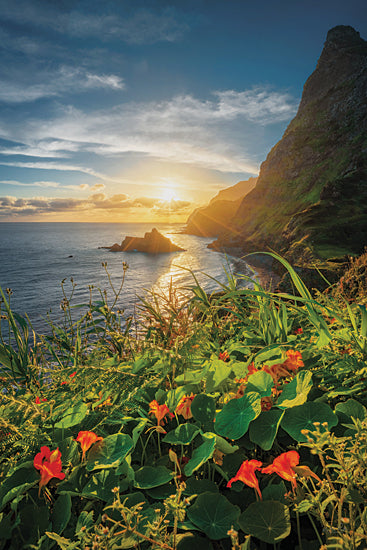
168,194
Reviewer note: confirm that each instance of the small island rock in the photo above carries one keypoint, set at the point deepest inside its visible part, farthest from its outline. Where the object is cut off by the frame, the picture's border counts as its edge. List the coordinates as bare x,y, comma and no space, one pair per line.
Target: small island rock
152,243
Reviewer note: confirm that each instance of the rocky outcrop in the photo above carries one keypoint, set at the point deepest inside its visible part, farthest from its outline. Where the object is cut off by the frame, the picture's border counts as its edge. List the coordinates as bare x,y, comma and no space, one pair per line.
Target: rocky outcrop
311,195
152,243
216,217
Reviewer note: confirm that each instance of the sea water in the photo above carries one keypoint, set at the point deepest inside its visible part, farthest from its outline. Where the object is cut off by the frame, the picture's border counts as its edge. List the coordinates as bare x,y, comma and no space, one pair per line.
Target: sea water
36,257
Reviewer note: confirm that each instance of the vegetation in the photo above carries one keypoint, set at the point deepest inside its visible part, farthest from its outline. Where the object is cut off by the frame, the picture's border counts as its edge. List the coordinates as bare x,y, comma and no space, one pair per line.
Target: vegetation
231,421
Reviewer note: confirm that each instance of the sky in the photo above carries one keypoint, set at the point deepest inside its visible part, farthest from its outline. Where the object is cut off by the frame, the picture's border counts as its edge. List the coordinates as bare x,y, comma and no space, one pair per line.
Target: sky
141,110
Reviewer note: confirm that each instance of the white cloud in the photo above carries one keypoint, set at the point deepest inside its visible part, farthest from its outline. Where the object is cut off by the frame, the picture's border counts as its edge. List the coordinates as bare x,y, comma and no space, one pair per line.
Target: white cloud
183,129
47,184
55,83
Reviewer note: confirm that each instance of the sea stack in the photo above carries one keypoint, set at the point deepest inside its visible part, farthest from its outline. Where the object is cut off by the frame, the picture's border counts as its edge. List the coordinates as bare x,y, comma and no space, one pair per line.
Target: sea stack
152,243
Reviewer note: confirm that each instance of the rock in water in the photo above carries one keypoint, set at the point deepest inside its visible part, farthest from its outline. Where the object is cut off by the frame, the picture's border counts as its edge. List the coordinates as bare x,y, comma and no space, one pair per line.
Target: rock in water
152,243
311,193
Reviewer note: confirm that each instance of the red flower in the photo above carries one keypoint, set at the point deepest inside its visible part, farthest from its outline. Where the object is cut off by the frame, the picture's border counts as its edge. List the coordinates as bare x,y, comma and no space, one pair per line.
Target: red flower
49,464
38,400
284,466
298,331
294,360
184,406
159,411
224,356
72,374
86,440
246,474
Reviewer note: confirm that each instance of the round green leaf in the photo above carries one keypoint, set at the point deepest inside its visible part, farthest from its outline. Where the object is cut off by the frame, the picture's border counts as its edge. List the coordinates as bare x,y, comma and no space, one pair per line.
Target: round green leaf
213,514
61,513
352,409
149,476
201,454
110,452
264,428
260,382
234,419
302,417
182,435
295,393
193,542
266,520
203,408
196,486
101,484
218,372
73,415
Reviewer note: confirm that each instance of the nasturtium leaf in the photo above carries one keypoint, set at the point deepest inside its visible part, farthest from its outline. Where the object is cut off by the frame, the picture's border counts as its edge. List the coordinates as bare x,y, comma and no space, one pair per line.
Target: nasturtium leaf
275,491
162,492
266,520
152,476
69,449
295,393
22,479
217,373
223,446
72,416
100,485
110,452
270,355
193,542
302,417
203,408
61,513
352,409
213,514
201,454
34,521
234,419
196,486
182,435
264,428
260,382
138,429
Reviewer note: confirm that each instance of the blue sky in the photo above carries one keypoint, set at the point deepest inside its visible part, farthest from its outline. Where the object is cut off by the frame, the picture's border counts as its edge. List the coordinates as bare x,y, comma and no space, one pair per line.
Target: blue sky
133,110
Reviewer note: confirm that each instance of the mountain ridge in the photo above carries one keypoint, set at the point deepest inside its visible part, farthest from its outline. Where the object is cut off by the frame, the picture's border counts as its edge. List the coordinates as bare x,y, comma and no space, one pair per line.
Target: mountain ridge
310,194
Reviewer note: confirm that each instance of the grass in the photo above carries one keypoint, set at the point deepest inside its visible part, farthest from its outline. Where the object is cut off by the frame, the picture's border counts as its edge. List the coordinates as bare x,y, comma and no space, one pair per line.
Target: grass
235,420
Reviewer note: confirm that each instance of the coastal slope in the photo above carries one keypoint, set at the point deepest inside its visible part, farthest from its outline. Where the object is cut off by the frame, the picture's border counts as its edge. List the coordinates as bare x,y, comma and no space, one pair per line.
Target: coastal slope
215,218
311,194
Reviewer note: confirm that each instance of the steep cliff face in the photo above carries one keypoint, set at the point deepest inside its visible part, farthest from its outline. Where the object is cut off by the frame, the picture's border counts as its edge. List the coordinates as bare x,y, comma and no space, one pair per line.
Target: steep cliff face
312,188
215,218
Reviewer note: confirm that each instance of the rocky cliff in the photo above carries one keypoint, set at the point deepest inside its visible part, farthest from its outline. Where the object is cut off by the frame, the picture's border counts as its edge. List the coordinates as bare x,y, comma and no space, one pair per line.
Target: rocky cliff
215,218
311,193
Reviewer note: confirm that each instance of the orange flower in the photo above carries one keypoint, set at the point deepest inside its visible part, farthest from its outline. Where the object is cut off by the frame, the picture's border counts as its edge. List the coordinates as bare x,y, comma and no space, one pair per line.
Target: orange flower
276,371
86,440
294,360
284,466
49,464
246,474
159,411
184,406
266,403
224,355
251,368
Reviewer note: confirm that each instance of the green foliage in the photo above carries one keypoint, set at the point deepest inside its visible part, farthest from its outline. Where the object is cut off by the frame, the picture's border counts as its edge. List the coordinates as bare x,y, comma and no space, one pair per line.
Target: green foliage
209,383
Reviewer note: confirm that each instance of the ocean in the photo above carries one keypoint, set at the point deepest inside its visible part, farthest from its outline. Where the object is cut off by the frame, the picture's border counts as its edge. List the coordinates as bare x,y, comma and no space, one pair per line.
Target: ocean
36,257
